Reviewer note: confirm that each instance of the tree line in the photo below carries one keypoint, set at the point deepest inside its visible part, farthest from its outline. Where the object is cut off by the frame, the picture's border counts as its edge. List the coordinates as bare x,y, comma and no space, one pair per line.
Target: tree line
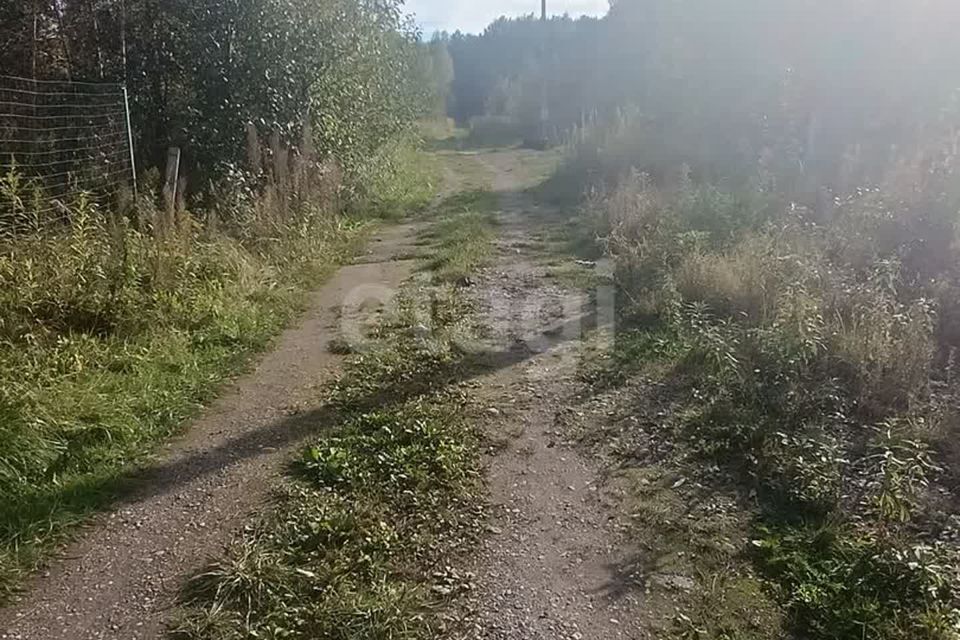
829,90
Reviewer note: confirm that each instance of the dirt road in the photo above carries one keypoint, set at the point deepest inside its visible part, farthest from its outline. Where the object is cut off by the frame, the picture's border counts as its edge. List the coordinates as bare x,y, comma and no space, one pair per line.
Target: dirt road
120,579
552,566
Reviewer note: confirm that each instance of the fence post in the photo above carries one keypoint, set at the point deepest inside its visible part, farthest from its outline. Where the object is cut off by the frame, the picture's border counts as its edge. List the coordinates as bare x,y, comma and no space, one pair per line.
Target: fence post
171,180
133,161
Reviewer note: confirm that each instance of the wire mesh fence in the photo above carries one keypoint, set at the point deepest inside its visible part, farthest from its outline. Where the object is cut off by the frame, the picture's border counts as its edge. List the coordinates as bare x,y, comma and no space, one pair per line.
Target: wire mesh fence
60,142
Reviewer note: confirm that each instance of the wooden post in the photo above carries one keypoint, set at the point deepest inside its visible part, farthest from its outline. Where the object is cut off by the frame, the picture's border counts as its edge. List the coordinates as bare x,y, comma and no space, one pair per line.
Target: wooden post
254,155
170,182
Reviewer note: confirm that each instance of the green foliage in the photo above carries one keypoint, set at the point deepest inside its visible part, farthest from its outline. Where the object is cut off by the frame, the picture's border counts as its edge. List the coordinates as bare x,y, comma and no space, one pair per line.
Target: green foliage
495,131
438,69
348,72
726,88
903,465
500,72
791,224
102,358
633,349
407,459
116,325
355,545
345,553
732,608
399,180
840,584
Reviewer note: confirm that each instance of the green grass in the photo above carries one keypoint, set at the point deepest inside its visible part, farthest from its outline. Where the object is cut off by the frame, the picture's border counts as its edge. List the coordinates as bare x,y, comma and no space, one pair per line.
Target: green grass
79,409
469,171
439,129
463,235
574,275
807,375
444,136
839,582
685,536
400,180
352,549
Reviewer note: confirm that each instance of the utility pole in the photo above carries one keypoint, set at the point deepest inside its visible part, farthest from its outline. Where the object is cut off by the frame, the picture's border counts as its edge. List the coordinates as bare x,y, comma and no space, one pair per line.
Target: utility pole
544,70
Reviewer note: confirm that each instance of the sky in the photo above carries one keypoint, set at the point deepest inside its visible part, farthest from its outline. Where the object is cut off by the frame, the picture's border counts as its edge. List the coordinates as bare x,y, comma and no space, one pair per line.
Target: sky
472,16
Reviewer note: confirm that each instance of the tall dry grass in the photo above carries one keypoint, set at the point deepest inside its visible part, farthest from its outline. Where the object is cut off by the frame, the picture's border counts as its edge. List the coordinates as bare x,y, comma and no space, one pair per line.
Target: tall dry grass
824,339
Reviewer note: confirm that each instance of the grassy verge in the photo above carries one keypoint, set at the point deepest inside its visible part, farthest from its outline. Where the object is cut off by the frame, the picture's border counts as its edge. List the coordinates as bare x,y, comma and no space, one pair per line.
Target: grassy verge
459,239
357,542
792,501
462,238
78,409
749,523
400,179
111,336
805,368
